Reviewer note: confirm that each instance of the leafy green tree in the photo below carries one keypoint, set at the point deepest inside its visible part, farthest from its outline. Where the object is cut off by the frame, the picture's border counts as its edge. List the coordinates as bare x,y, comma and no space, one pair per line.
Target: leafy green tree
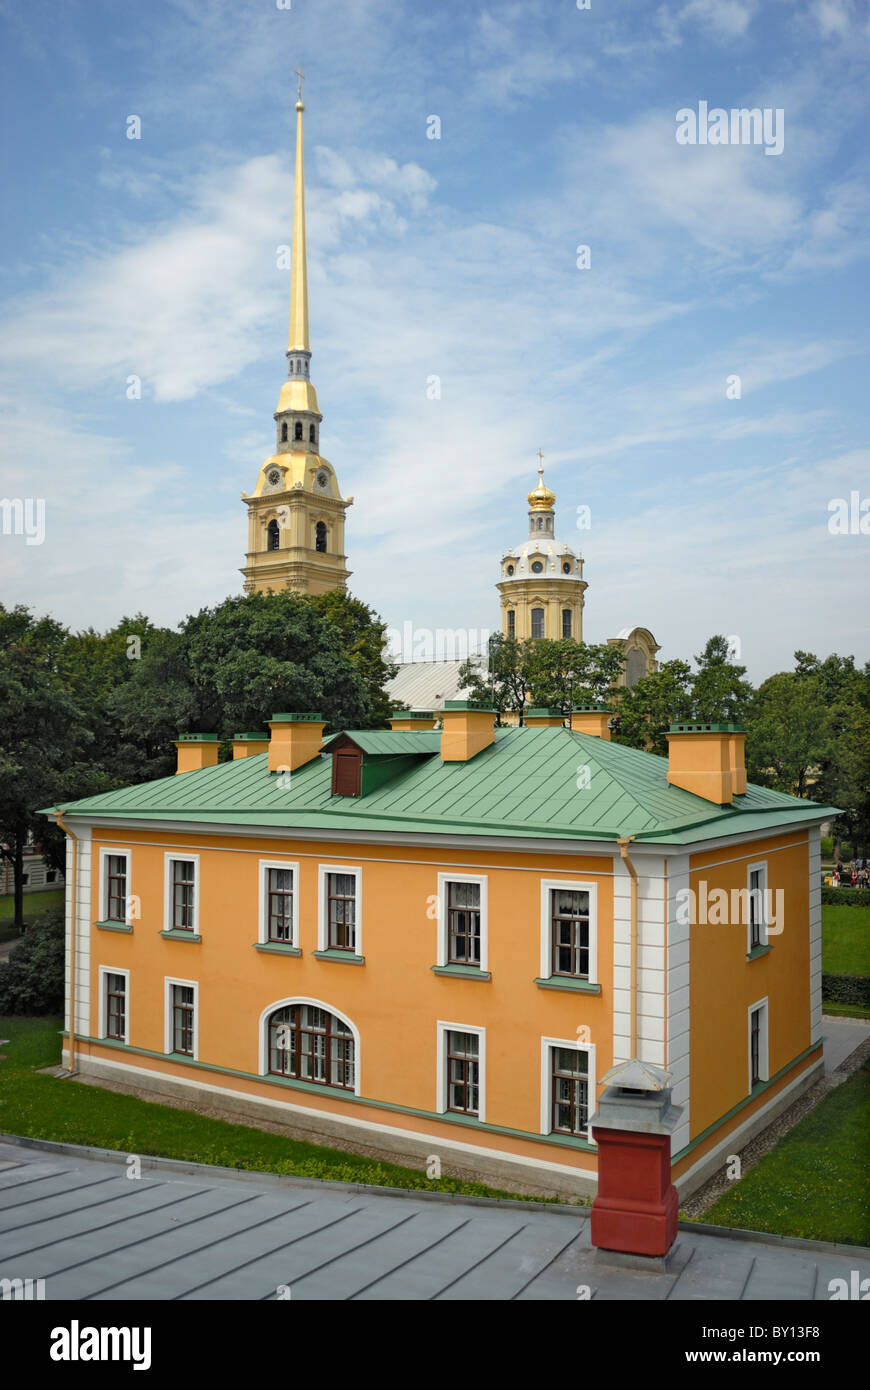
841,776
44,739
787,733
254,655
719,692
32,978
503,683
363,636
646,711
566,673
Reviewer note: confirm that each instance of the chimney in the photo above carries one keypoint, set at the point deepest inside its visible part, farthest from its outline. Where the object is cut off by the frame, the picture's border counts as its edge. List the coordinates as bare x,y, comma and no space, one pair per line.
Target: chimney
196,751
246,745
412,720
707,759
737,758
543,719
295,739
591,719
466,730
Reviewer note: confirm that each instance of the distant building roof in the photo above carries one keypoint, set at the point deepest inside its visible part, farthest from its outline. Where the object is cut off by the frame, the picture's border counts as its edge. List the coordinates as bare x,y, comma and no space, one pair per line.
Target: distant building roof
427,684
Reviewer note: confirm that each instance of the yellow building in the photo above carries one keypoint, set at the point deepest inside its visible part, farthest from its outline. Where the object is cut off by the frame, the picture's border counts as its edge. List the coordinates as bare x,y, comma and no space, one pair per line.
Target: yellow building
296,512
438,942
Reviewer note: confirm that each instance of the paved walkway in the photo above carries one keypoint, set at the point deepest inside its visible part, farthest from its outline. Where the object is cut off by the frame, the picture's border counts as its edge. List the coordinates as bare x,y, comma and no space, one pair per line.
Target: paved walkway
842,1037
184,1231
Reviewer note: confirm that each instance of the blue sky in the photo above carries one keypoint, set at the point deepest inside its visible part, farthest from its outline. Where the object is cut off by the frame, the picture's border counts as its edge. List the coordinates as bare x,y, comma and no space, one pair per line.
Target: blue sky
457,258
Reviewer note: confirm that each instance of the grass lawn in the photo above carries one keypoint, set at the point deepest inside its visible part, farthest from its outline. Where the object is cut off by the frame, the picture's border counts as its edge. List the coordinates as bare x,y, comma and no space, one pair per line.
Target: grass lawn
44,1107
34,905
845,1010
846,940
814,1183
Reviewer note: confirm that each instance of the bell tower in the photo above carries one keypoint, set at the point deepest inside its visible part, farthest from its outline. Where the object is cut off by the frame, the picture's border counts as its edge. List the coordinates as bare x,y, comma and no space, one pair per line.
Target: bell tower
541,581
296,511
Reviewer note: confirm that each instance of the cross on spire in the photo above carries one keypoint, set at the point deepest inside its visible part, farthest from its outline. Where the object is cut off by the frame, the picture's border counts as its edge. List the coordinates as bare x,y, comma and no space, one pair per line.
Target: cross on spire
540,460
300,74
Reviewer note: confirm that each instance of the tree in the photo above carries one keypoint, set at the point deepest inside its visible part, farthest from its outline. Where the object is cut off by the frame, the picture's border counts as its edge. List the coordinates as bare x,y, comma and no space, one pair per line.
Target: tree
253,656
719,692
503,683
565,673
646,711
32,979
363,636
44,738
787,732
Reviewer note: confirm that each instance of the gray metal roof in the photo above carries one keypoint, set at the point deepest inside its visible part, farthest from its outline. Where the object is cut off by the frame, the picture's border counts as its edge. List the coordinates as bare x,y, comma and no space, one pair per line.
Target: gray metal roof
192,1232
426,684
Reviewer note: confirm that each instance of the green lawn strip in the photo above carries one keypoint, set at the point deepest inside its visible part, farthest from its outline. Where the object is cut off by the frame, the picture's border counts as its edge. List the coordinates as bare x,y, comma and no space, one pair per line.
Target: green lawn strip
814,1183
845,1010
45,1107
846,940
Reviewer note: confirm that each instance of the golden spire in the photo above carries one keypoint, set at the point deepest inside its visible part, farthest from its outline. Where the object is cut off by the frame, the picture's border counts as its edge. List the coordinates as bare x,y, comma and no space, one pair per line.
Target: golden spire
541,499
298,340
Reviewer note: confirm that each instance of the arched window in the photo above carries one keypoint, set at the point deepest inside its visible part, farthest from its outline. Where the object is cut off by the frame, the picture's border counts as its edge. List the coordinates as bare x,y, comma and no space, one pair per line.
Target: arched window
320,537
540,523
284,432
511,623
273,536
566,622
537,622
307,1043
311,439
297,433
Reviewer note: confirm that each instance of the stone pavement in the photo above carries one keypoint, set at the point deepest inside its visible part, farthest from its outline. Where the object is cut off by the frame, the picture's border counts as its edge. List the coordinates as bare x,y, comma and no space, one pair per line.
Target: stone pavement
72,1217
842,1037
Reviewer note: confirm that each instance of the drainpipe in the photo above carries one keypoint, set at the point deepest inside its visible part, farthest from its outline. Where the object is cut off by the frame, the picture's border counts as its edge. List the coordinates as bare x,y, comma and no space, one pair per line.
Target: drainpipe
58,816
623,842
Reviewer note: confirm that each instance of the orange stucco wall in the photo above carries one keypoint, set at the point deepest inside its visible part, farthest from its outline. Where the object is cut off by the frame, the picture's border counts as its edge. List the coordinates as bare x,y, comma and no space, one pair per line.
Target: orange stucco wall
395,999
724,984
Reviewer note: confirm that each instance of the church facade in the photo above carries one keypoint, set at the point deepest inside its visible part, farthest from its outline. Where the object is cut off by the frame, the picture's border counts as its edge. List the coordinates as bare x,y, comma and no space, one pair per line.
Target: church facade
296,512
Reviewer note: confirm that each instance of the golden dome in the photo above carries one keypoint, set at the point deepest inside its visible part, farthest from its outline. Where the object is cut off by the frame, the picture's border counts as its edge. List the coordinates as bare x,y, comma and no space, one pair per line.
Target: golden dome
541,499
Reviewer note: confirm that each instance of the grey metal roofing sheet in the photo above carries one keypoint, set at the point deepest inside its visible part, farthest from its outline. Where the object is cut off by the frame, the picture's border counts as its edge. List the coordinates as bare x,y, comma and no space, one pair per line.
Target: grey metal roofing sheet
190,1232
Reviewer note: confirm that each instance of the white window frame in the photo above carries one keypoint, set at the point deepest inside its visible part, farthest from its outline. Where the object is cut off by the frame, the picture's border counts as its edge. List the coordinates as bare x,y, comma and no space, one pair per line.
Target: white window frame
547,1045
441,1068
263,924
482,880
759,867
168,1030
102,895
763,1041
169,858
317,1004
322,920
105,970
549,885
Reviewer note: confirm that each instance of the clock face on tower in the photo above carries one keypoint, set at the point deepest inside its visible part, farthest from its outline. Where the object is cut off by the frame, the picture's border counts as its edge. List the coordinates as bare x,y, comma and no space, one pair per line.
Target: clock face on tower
322,479
273,476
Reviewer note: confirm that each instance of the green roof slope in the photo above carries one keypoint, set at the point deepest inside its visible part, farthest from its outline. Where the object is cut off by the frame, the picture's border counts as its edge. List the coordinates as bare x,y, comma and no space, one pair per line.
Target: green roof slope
529,783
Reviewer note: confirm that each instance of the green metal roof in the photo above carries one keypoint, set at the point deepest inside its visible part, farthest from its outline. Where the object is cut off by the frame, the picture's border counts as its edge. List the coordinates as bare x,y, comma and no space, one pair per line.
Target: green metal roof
530,783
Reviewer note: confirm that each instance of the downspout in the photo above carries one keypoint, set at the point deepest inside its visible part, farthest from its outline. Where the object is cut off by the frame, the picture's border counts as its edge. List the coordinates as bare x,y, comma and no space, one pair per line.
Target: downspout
623,842
73,923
